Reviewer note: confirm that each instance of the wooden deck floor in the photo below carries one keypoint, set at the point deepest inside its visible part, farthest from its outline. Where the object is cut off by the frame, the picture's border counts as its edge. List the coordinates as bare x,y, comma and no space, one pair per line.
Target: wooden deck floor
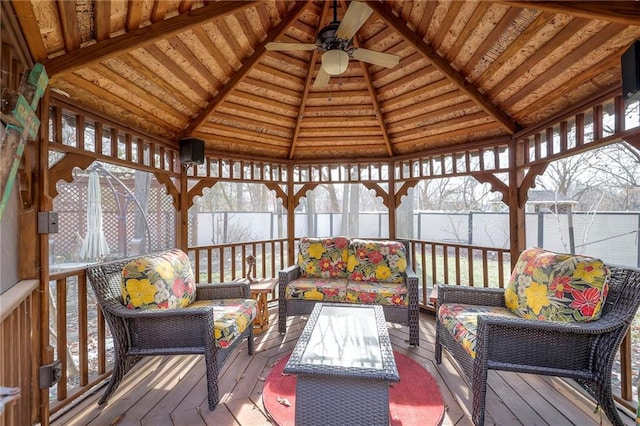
172,390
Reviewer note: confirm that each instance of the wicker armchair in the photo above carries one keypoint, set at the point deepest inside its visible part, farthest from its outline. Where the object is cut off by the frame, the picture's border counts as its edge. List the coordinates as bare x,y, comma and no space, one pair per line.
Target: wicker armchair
176,331
582,351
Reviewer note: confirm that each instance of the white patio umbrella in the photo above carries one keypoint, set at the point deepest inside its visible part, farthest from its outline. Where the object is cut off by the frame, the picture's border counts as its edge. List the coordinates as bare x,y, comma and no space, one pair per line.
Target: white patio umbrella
95,244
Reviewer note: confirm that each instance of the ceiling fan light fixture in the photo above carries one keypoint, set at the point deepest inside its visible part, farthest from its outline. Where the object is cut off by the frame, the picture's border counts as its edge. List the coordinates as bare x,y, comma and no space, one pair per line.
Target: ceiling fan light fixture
335,62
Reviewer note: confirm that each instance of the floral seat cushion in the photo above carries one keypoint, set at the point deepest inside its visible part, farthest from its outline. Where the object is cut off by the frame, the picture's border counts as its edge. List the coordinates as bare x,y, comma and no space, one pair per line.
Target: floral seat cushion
159,282
379,293
557,287
381,261
231,317
462,321
317,289
323,257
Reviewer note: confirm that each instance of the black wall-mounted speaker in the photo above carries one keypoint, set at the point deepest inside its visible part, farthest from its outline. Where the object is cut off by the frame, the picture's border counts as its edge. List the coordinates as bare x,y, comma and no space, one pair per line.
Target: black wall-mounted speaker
630,64
191,151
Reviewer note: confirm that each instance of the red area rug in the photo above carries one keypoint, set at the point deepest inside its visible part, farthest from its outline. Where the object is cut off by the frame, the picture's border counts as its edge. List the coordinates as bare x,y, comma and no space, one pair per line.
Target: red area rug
415,400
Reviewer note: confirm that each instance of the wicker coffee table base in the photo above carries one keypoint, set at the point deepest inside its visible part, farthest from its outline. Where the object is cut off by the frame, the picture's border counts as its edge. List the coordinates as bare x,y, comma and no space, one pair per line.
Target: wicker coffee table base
326,400
343,363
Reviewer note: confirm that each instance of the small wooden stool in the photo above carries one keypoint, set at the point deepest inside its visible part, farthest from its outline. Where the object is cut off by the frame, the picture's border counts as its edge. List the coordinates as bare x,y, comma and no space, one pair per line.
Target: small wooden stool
260,289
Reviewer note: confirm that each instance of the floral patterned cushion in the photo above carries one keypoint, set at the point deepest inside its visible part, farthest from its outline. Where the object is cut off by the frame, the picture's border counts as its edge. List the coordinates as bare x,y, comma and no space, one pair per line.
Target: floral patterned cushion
379,293
381,261
462,321
160,281
318,289
323,257
231,317
557,287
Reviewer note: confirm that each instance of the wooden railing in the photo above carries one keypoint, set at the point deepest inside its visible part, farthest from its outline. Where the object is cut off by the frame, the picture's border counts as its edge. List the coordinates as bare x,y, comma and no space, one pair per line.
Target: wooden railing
80,338
444,263
77,324
19,307
227,262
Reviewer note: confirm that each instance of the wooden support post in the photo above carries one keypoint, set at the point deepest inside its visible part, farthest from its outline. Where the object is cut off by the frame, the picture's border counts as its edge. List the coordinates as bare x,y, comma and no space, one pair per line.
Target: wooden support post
291,224
183,222
517,234
391,201
45,203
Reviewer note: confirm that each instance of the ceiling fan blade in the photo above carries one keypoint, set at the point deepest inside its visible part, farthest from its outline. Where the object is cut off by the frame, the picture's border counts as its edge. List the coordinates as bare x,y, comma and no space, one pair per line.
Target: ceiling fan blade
322,79
357,14
377,58
290,46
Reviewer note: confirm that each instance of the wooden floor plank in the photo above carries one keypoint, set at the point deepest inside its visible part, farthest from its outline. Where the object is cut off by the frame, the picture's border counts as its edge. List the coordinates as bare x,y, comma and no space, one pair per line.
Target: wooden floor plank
164,420
189,417
172,390
193,371
540,410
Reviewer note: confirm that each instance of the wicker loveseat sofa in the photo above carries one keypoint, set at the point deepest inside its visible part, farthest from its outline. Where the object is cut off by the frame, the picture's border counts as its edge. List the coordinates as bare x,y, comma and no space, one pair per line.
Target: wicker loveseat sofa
338,269
560,315
154,307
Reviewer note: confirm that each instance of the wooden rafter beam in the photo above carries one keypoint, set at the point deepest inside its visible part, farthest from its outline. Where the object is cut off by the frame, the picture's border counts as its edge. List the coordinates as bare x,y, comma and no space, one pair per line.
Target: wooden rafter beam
374,96
135,39
159,10
307,87
134,14
445,67
303,103
243,71
620,12
27,45
102,19
376,105
69,23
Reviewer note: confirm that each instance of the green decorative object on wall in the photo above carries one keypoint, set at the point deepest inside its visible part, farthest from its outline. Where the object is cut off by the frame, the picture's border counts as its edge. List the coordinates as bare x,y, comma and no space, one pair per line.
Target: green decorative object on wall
19,123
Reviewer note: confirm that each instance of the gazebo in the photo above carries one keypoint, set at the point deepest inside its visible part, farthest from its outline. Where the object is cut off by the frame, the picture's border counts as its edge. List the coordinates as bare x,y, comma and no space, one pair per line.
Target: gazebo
430,89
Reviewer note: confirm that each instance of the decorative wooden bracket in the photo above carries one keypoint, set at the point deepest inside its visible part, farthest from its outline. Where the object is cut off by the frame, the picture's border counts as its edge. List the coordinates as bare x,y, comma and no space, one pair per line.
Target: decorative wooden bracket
380,192
303,192
529,181
496,184
171,188
63,169
278,190
404,190
199,187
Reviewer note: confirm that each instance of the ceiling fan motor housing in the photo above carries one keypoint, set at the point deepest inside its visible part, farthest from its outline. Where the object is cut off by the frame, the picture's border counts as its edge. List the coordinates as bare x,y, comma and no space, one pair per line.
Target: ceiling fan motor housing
327,39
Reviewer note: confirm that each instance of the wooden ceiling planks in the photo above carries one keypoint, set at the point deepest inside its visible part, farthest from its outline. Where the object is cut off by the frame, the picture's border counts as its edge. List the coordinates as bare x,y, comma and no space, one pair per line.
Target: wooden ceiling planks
621,12
446,68
141,36
133,92
242,72
608,66
541,84
467,70
519,44
489,42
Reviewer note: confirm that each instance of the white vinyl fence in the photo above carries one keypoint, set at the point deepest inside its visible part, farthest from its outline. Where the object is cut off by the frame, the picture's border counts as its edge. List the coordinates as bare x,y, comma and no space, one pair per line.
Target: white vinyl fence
611,236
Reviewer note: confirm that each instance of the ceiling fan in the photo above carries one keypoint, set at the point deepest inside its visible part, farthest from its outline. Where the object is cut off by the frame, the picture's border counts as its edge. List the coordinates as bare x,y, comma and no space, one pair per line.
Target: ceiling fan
336,41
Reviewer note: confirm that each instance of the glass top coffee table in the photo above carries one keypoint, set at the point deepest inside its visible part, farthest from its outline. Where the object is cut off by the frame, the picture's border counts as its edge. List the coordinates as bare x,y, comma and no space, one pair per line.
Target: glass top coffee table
344,363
